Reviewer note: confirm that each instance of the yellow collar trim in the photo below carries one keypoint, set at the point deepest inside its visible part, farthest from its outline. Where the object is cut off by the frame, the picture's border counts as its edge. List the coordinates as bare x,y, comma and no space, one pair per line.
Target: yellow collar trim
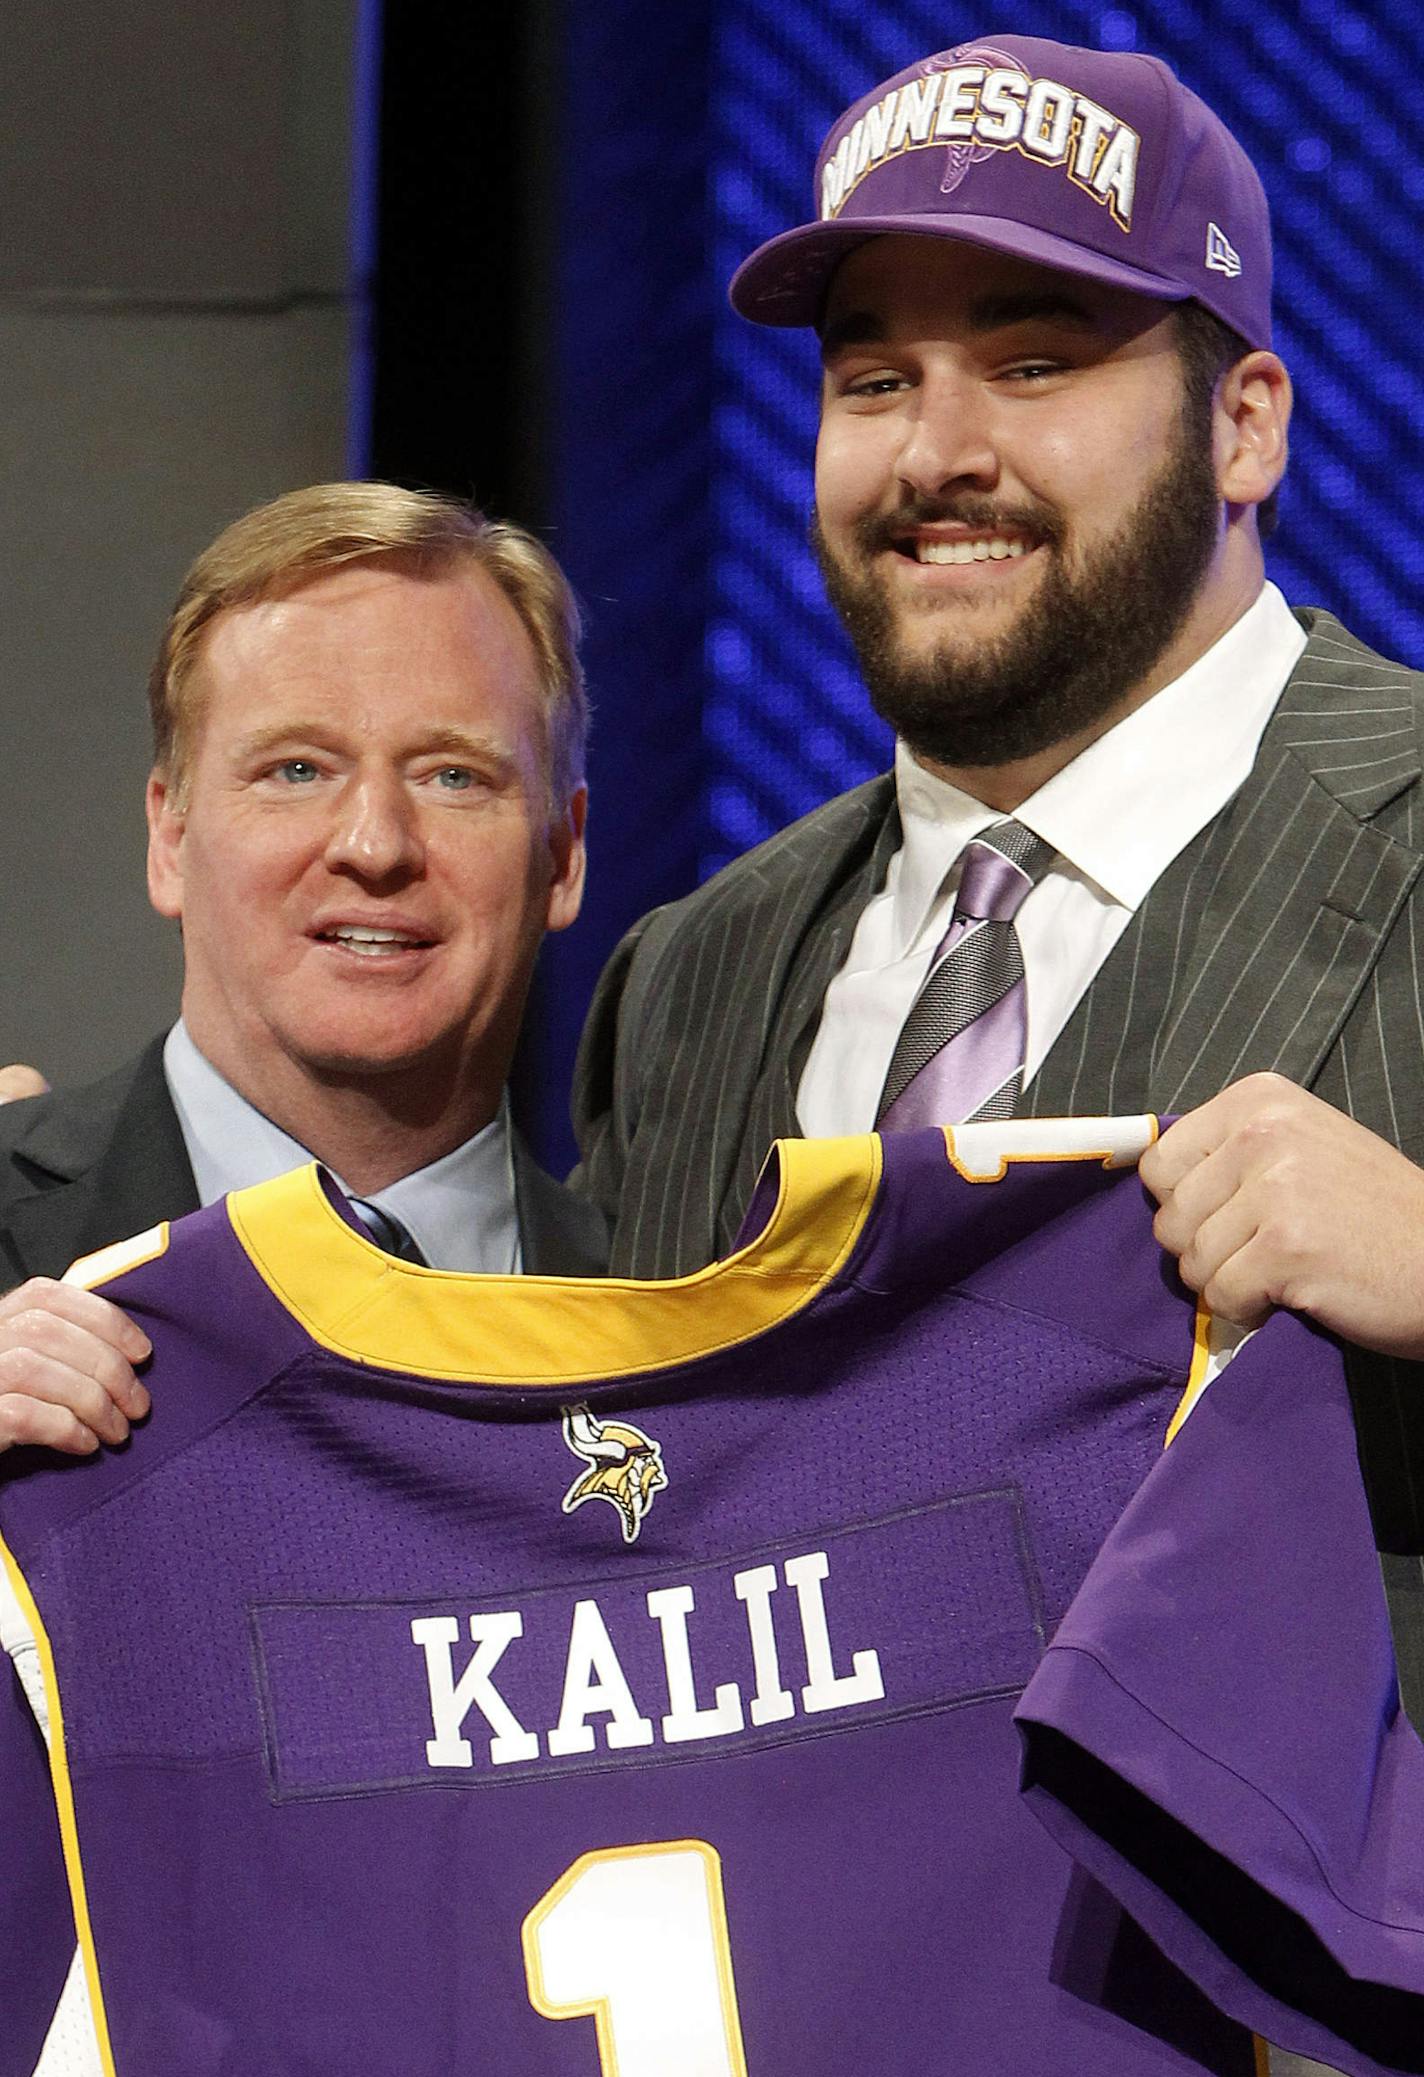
519,1330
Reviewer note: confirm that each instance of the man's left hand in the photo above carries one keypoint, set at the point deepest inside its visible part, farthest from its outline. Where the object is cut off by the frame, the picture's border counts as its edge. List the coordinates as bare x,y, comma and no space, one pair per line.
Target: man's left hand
1270,1197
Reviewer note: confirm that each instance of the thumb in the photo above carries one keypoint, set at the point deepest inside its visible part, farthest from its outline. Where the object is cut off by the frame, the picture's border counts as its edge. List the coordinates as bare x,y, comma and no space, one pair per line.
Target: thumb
21,1081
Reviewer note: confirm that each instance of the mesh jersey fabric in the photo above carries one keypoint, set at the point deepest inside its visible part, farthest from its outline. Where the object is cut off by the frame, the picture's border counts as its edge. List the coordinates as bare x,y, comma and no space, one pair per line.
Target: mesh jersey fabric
555,1670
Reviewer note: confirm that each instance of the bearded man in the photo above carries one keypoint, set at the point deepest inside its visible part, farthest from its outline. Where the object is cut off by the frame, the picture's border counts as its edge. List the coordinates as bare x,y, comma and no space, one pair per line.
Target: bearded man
1173,825
1170,825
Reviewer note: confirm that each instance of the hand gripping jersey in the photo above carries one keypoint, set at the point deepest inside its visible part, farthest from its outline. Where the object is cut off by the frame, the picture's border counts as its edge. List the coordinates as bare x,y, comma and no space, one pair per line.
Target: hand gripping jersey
536,1678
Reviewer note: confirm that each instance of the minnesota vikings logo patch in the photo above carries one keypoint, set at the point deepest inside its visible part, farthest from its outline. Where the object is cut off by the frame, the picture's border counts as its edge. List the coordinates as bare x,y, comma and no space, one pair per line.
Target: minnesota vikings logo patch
625,1467
960,157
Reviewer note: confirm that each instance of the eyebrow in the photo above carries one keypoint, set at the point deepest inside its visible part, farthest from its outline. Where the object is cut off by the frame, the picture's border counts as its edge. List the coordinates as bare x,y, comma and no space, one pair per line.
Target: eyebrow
459,742
988,314
466,742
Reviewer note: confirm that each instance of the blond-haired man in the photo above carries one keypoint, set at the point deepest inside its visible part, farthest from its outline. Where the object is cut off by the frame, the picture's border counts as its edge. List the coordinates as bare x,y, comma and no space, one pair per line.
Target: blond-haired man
366,808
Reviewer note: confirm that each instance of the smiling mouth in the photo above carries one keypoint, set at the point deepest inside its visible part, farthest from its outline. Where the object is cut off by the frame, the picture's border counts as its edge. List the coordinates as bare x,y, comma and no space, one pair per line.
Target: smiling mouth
964,548
369,942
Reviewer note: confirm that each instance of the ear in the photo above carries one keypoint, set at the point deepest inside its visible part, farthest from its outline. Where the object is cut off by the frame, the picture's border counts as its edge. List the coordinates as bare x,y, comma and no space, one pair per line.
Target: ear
166,823
566,848
1252,419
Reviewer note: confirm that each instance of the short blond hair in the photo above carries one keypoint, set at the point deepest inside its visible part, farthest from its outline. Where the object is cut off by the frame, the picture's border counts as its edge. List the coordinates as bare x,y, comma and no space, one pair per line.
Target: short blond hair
304,533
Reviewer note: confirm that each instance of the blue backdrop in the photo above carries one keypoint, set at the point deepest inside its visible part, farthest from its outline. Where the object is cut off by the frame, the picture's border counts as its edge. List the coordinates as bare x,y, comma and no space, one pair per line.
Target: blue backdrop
727,701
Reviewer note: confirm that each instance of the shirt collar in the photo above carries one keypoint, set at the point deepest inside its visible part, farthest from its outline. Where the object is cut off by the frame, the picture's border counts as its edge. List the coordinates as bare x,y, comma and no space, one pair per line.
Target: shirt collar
459,1209
1123,809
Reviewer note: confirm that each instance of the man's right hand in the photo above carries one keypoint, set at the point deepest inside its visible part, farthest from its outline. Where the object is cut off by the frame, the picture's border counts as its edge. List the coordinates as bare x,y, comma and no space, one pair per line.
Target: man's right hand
67,1362
21,1081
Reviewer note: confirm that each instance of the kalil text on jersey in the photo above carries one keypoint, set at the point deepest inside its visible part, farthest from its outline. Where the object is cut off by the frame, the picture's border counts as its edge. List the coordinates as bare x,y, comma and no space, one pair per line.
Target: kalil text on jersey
597,1690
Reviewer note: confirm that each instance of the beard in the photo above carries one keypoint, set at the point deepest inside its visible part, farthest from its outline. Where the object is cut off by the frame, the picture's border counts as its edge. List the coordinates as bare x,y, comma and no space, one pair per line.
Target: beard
1091,632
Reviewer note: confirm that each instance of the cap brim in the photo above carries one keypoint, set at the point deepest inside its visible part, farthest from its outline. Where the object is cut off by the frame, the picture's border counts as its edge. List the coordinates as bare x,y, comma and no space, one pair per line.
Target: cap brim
784,282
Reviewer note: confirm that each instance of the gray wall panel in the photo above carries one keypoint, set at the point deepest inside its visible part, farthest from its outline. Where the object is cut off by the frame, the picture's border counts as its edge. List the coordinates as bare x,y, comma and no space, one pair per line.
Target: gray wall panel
127,442
171,151
178,303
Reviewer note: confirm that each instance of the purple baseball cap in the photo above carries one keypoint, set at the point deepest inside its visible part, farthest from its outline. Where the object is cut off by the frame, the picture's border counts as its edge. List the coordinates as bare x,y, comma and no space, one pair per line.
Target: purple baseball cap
1098,162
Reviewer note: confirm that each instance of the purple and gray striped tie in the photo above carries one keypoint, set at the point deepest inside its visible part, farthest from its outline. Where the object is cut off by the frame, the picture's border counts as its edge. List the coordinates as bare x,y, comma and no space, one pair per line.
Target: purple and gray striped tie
960,1052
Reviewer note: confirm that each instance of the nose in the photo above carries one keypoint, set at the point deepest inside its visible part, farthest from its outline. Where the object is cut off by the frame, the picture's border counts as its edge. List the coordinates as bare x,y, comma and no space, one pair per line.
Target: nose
375,832
948,437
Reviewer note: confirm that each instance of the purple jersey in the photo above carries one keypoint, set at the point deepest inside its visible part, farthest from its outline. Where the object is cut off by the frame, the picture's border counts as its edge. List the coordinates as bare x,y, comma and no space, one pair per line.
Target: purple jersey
538,1677
1216,1733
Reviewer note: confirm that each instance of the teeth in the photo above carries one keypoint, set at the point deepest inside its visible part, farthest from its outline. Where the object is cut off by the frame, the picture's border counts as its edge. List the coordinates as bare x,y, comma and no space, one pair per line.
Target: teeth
990,548
370,944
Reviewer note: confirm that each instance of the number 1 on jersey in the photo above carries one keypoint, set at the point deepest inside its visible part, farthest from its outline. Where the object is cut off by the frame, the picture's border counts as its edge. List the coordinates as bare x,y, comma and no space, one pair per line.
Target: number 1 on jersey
636,1936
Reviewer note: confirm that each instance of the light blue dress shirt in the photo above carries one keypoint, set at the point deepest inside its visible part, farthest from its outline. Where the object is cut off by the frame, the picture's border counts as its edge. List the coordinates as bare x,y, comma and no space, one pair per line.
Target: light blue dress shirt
460,1210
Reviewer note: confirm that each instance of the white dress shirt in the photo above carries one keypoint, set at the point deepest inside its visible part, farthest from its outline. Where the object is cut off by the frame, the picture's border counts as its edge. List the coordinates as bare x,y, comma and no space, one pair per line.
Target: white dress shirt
1117,815
459,1210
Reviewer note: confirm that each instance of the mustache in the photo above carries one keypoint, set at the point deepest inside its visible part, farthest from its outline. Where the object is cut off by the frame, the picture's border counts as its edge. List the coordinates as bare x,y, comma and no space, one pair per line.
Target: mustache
875,531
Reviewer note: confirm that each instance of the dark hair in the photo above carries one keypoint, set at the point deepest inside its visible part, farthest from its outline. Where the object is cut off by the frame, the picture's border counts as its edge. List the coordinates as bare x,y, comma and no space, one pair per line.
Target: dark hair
1207,348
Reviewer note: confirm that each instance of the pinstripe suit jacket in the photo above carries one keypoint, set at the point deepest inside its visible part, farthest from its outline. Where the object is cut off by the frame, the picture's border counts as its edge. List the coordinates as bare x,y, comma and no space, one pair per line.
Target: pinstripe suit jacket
1285,936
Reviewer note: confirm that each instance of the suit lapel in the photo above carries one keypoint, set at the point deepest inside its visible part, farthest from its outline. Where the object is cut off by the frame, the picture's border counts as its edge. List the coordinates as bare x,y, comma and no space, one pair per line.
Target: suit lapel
812,958
559,1234
1251,950
1282,960
107,1162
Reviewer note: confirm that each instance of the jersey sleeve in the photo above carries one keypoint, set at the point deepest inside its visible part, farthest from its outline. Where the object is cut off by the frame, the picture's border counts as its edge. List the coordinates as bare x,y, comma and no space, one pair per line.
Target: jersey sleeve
1215,1731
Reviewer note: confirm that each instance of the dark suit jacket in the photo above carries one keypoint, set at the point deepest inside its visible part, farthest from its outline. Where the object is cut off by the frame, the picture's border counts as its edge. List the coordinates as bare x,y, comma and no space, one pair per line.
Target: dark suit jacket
1286,936
80,1168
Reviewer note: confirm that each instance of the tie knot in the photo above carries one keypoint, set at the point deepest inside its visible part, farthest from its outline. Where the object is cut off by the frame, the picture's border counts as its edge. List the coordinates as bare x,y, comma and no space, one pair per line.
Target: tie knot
1000,866
387,1231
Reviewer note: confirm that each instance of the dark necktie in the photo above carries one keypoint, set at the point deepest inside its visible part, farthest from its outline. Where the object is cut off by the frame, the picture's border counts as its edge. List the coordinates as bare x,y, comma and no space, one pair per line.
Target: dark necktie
387,1231
960,1052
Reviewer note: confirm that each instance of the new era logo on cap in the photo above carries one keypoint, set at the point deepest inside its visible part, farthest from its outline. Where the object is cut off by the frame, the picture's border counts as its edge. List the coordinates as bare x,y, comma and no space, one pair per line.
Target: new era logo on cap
1221,255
